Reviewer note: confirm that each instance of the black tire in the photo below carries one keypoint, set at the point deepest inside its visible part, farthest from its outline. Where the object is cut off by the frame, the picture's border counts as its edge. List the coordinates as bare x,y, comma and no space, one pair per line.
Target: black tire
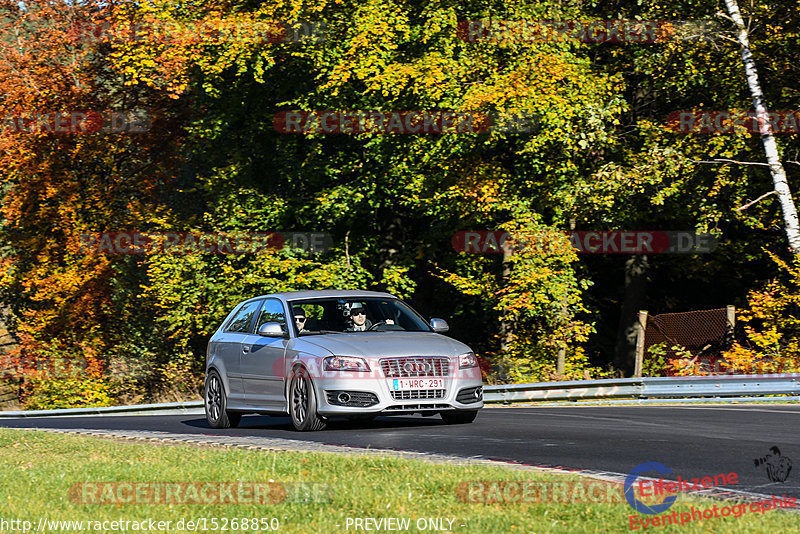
303,403
216,403
459,417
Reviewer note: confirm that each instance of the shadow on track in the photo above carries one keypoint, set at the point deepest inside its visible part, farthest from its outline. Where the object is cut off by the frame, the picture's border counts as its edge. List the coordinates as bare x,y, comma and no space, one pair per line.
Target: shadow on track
266,422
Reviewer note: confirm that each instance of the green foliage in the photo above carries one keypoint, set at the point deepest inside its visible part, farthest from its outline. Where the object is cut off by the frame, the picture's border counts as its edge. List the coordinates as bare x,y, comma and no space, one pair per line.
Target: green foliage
657,363
532,362
68,393
601,159
772,326
537,301
193,293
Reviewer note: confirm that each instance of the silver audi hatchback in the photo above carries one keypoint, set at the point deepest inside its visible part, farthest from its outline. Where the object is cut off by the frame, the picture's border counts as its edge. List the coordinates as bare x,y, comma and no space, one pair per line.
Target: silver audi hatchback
315,355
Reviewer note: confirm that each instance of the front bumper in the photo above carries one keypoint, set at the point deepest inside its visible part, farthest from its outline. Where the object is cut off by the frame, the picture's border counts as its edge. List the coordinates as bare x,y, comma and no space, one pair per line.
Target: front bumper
375,393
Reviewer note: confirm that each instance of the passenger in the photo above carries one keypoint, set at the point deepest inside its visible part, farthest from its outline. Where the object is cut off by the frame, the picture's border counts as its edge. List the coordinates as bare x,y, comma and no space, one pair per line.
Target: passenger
359,317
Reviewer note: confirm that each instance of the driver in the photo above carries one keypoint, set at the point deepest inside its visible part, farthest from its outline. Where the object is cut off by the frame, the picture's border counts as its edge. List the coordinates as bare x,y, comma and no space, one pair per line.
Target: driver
358,314
300,319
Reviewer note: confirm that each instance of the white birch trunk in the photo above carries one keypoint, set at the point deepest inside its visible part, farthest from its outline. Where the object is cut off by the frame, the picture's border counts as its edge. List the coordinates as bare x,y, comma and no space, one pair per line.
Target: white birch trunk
767,138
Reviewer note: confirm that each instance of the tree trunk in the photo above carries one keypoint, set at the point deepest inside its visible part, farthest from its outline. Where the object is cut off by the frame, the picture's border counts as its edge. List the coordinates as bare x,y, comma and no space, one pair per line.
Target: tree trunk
505,325
634,299
767,138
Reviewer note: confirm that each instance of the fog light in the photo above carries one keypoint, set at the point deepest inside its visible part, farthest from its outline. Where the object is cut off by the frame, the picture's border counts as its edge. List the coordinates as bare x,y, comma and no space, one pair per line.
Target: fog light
343,397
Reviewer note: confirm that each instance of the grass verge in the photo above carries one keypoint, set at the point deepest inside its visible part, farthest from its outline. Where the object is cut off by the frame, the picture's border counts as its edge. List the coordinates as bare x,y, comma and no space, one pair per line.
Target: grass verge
46,475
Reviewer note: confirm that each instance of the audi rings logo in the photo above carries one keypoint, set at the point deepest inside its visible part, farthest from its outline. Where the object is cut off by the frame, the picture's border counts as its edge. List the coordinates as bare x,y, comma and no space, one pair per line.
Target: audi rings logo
630,482
417,368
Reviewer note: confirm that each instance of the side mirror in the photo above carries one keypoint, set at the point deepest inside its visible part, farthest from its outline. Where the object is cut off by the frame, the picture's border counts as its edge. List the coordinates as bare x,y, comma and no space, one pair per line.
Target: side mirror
439,326
271,330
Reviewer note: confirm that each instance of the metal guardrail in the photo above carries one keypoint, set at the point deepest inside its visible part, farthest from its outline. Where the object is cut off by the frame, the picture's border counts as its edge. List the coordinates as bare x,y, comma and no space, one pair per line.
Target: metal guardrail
136,409
646,388
732,387
577,389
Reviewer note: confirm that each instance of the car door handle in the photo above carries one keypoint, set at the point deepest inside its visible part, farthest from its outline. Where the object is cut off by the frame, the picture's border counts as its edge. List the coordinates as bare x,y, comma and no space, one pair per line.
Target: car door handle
245,348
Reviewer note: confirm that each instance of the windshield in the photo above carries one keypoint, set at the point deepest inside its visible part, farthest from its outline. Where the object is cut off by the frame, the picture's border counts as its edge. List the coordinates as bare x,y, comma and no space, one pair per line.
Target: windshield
359,314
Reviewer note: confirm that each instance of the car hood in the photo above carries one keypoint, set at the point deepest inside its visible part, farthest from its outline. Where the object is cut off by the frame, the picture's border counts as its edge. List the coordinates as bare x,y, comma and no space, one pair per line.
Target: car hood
387,344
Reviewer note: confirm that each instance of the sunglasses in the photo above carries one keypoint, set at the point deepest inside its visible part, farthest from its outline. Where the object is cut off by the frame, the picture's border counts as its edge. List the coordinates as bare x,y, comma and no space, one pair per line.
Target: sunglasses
359,312
300,319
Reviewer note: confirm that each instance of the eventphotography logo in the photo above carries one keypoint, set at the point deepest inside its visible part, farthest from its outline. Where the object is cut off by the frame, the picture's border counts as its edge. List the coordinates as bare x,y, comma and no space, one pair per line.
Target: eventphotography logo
630,483
654,488
777,466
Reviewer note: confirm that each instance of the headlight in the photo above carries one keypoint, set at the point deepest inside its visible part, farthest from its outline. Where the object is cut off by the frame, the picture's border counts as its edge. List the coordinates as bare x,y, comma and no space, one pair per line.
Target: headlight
345,363
465,361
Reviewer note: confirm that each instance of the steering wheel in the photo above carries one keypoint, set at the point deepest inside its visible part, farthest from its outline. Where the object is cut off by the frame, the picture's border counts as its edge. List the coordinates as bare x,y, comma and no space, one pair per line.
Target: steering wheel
379,323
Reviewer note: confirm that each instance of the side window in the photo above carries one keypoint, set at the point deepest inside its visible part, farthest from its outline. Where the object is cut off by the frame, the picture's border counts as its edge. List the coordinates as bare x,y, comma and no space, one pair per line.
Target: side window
271,312
241,321
314,314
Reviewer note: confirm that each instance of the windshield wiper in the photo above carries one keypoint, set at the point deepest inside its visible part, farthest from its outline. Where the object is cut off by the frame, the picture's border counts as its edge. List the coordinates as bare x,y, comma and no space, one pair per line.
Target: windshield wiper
319,332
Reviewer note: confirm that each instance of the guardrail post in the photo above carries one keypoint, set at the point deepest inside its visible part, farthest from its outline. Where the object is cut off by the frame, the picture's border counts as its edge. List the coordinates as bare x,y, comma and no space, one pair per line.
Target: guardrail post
730,313
641,326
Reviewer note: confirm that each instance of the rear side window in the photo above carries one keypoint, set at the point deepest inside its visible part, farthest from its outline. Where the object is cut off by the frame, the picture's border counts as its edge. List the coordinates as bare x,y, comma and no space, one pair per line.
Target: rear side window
243,318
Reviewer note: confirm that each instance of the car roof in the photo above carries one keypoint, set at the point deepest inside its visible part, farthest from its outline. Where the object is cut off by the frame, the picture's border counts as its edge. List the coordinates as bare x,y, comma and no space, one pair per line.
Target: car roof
326,293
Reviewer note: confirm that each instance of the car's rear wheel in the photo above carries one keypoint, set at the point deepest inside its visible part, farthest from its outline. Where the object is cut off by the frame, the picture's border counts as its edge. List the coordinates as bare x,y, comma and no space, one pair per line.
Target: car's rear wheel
216,403
459,417
303,403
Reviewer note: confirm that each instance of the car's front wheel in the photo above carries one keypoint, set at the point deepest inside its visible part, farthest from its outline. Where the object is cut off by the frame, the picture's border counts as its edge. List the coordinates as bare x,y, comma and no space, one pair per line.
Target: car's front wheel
459,417
303,403
216,403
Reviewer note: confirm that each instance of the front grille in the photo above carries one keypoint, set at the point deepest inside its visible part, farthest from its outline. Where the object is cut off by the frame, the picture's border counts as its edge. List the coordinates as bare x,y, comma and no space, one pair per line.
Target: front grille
359,399
414,367
418,394
417,407
467,395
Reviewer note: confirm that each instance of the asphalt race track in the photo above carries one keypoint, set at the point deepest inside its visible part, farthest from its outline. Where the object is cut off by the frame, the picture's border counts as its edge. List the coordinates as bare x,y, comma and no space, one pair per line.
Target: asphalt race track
694,441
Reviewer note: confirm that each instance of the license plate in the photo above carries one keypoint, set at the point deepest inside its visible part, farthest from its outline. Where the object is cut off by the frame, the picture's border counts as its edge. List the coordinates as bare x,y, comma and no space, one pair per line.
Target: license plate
417,383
